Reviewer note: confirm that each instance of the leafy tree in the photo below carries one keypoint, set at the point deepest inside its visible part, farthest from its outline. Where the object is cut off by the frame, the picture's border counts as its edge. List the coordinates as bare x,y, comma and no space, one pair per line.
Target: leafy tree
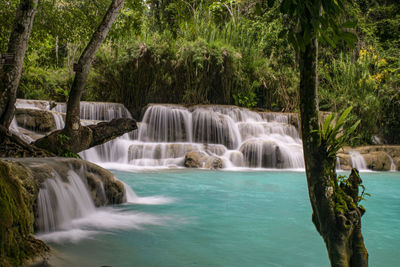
75,137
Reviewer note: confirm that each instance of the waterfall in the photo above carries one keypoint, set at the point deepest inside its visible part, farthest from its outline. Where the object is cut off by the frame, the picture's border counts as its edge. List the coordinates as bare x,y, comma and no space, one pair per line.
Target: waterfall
357,161
66,210
393,166
98,111
58,118
240,137
59,202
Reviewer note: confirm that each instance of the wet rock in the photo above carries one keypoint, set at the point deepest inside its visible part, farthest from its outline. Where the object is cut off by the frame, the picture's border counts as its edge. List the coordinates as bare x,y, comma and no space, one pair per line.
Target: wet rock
35,120
19,191
377,161
104,187
345,161
260,153
197,159
377,157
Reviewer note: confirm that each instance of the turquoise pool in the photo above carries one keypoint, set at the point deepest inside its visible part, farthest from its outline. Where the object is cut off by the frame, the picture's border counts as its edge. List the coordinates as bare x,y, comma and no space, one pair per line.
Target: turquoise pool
221,218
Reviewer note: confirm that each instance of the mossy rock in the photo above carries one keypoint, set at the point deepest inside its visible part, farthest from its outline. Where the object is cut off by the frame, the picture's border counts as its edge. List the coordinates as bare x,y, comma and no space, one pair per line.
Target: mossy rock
18,190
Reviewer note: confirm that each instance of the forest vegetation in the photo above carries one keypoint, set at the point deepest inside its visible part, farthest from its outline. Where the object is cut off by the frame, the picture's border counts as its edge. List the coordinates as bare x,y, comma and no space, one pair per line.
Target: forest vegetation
222,52
288,56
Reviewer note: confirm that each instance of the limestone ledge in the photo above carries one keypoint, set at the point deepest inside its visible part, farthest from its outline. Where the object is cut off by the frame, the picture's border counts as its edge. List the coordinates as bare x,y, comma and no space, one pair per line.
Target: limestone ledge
377,157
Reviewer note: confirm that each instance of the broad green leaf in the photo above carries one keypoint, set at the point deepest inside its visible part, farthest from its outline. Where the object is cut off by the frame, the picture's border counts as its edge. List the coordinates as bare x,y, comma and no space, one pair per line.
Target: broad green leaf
327,121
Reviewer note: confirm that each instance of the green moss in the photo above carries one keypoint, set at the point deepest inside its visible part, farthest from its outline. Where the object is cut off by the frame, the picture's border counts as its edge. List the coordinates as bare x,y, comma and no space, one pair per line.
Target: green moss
17,193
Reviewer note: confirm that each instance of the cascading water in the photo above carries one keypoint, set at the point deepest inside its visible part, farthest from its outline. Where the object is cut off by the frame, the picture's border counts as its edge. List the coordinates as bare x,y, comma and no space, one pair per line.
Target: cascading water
66,210
240,137
393,166
100,111
59,202
357,161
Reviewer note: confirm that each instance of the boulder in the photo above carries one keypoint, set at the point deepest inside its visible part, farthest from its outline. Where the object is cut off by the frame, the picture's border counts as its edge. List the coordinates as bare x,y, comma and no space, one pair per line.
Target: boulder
104,187
197,159
345,161
377,161
18,192
261,153
35,119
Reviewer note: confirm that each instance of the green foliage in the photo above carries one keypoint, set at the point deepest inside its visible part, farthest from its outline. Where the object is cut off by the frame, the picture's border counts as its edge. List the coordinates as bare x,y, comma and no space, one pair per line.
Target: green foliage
63,140
344,181
333,134
246,100
316,18
223,52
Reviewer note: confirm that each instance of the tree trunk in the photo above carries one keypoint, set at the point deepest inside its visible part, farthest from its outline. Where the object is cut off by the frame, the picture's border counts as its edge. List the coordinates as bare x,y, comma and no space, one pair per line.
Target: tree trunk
340,227
10,73
11,146
84,64
86,137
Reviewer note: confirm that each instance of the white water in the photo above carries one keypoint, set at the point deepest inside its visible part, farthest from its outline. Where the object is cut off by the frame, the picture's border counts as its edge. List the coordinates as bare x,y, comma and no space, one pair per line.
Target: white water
60,202
100,111
131,197
240,137
393,166
357,161
66,210
58,118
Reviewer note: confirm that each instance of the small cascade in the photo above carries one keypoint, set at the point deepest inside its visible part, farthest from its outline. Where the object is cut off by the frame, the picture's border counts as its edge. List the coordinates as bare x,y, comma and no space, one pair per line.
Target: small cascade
66,211
393,166
131,197
32,104
58,118
240,137
166,124
357,161
338,167
15,130
59,202
99,111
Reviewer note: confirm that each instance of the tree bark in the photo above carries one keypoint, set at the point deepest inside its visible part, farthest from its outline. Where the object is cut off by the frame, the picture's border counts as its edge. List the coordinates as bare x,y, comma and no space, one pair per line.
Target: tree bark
86,137
85,61
10,74
11,146
339,227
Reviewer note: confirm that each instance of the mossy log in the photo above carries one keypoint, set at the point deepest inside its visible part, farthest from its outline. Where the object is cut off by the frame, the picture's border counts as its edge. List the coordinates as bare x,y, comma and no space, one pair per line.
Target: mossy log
13,146
64,142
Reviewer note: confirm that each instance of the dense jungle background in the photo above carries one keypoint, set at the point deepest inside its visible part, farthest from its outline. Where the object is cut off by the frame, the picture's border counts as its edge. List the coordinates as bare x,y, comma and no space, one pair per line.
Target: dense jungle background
214,52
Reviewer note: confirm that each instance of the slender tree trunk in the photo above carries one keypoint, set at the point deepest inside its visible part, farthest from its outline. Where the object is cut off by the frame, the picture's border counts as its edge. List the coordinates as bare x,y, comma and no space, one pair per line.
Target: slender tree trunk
340,228
10,73
84,64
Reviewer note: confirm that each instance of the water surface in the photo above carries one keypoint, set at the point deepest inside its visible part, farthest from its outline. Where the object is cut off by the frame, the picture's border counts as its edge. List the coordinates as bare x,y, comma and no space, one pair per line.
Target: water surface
230,219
